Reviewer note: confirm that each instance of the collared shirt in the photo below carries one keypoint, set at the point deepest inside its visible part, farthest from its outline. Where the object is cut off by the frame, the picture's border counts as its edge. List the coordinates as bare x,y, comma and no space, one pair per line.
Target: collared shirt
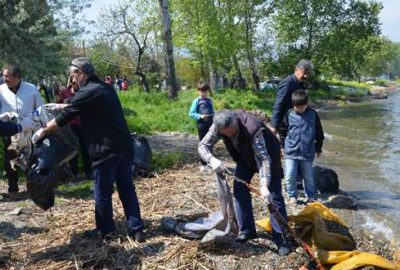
26,99
261,155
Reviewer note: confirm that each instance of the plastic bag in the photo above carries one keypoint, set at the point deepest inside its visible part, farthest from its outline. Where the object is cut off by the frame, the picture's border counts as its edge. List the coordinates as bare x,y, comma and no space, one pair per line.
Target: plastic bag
143,154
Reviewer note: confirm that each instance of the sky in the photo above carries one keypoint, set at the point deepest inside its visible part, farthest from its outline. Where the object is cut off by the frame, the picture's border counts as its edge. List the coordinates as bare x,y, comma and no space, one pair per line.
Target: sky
390,16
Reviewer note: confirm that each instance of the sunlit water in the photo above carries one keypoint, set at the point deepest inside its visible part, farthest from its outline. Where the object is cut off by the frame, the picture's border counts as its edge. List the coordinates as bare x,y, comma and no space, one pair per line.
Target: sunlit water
366,139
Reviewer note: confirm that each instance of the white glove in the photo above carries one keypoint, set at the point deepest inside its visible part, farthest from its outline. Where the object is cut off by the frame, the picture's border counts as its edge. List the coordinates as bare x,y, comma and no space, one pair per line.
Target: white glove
52,106
217,165
38,135
27,123
266,194
7,116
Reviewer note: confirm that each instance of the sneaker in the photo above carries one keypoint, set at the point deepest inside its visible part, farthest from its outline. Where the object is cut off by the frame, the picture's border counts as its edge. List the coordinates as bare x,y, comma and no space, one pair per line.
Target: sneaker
292,201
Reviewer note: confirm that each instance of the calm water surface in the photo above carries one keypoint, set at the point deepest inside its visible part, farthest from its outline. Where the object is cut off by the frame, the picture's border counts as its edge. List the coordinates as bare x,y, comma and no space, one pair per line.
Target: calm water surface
366,139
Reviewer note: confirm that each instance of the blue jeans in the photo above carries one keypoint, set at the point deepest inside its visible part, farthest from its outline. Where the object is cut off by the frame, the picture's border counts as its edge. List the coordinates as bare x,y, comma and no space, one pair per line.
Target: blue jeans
243,205
116,169
291,168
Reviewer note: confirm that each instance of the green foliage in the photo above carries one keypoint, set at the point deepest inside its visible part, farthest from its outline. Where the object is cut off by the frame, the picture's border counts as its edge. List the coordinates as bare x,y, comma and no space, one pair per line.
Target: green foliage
76,190
381,83
167,160
154,111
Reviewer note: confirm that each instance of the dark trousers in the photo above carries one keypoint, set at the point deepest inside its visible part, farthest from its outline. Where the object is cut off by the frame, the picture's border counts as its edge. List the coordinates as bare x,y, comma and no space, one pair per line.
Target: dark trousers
243,205
202,129
84,153
116,169
12,176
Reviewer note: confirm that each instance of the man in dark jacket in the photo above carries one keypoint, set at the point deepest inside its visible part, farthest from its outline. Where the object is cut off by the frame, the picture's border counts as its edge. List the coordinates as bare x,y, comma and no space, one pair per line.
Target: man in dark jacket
254,149
109,145
283,100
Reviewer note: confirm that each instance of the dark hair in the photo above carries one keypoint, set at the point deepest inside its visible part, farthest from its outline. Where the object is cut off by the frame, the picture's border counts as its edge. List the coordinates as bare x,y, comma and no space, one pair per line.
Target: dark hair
299,98
14,70
203,87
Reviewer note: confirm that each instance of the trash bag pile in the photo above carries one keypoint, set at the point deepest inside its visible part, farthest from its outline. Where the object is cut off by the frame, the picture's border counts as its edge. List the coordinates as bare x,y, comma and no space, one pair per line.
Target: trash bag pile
143,154
48,162
325,231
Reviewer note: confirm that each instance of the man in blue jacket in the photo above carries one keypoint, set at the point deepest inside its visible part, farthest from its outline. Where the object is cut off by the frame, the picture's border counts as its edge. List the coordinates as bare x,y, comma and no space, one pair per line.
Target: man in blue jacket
283,100
109,145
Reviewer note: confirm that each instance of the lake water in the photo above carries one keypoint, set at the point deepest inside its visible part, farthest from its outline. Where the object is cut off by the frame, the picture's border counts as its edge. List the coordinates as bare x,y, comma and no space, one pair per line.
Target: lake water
363,147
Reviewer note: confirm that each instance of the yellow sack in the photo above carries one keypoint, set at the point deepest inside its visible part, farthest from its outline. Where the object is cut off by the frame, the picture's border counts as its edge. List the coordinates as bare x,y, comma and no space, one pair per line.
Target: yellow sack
323,229
320,227
348,260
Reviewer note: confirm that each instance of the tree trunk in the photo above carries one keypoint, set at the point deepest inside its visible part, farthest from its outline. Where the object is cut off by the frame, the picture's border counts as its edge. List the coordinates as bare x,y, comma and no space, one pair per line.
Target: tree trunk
172,85
239,81
143,80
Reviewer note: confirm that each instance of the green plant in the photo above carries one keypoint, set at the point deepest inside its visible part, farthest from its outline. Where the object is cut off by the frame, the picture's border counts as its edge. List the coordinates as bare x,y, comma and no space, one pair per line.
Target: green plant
163,161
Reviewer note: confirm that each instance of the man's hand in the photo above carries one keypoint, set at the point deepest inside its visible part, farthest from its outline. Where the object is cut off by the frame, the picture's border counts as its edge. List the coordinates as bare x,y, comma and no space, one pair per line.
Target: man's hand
38,135
204,116
53,106
217,165
27,123
7,116
266,194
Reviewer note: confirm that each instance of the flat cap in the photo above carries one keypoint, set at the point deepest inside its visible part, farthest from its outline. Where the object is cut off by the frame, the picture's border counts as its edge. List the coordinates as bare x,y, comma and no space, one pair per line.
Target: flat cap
83,64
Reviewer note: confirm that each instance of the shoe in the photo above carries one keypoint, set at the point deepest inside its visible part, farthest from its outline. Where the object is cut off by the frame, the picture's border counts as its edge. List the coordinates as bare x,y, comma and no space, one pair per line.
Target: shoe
93,234
284,249
14,195
138,236
292,201
282,243
243,238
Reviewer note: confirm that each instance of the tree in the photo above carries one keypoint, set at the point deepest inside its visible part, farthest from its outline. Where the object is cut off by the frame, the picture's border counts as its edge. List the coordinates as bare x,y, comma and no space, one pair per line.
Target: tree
172,85
131,23
32,38
331,33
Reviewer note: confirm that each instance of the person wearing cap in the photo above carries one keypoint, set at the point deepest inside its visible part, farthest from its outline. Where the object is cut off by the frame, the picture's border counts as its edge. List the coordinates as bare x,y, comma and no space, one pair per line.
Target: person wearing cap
20,97
109,144
283,100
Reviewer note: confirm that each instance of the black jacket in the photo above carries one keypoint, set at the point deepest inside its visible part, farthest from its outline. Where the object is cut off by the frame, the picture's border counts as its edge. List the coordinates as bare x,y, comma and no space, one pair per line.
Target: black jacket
249,125
104,128
283,100
9,128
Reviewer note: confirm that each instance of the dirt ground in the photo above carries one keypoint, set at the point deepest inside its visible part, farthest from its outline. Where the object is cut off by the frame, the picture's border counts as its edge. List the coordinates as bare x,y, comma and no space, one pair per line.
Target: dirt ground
33,239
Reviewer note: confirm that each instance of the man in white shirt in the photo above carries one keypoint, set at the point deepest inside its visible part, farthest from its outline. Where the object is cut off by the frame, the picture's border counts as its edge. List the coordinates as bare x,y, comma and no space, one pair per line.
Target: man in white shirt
22,98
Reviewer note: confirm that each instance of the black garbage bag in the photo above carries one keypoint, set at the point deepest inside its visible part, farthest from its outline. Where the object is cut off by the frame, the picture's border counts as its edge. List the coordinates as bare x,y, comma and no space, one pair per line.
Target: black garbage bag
143,154
326,180
42,184
48,164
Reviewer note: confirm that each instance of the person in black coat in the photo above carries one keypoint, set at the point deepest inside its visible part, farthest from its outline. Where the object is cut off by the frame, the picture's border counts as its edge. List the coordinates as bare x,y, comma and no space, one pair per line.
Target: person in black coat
283,100
109,145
